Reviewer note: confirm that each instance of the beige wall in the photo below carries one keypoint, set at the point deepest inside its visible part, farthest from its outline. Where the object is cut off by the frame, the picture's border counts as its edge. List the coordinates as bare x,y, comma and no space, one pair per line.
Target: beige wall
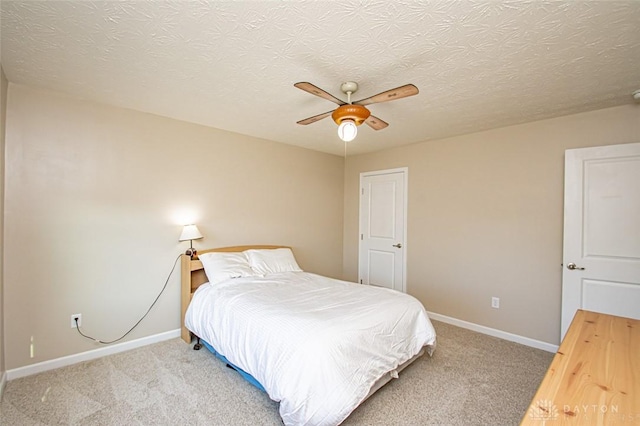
485,217
94,197
3,114
95,194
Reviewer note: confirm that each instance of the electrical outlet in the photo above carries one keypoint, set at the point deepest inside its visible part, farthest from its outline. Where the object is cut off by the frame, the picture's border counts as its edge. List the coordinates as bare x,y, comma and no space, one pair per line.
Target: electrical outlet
495,302
73,320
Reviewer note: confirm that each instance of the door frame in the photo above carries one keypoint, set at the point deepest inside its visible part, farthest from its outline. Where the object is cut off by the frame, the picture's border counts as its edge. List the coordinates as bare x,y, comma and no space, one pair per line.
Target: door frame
405,196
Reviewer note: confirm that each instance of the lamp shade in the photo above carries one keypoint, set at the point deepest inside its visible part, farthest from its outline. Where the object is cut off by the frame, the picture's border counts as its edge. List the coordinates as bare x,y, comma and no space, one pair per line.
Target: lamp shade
347,130
190,232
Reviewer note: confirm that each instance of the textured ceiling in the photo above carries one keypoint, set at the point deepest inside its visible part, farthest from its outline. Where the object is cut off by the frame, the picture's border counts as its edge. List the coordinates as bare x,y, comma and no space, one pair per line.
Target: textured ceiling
232,64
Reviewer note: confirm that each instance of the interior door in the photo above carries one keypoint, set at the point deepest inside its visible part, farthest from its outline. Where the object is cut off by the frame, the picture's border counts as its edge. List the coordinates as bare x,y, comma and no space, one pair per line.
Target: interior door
601,232
382,249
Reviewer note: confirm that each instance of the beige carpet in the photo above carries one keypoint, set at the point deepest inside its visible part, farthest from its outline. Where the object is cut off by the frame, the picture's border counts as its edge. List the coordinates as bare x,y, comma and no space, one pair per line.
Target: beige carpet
472,379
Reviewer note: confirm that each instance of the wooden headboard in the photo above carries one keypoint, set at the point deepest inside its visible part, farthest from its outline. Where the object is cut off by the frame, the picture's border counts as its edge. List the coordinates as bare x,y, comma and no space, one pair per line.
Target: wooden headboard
192,276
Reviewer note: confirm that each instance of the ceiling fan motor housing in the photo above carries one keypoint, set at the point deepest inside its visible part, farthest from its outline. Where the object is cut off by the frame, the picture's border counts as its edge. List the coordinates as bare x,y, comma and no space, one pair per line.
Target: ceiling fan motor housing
357,113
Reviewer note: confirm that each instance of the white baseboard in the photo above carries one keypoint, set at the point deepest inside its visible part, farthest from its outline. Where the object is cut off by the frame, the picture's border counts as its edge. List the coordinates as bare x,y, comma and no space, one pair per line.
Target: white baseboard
40,367
495,333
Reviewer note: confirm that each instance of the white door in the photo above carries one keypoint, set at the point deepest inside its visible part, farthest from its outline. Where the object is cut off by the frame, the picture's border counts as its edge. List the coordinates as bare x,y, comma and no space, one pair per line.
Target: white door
382,252
601,256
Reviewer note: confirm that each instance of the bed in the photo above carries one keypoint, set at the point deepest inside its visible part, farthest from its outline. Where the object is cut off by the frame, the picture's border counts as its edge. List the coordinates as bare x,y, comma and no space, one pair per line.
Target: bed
316,345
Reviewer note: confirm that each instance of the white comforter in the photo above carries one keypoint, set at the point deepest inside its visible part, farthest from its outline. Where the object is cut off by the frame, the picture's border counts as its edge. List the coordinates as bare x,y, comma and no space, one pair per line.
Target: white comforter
316,345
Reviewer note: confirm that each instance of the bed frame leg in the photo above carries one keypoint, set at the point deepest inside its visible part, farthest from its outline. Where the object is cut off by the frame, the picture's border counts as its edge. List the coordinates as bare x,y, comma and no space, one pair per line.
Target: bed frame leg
197,346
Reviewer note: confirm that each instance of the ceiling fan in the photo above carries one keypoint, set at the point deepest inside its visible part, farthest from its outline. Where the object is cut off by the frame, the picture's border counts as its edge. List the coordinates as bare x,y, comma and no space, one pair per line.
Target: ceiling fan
349,114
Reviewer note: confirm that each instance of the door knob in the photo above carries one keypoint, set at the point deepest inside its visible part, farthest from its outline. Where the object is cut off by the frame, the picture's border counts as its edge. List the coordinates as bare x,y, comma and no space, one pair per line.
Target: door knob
398,245
572,266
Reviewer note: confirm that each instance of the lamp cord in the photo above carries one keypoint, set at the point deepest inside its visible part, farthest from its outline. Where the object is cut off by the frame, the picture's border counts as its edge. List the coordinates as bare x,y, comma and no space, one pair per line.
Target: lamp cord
140,320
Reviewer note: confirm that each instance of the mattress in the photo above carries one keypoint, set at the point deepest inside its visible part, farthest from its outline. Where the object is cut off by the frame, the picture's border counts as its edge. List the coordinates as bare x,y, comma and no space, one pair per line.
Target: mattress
315,344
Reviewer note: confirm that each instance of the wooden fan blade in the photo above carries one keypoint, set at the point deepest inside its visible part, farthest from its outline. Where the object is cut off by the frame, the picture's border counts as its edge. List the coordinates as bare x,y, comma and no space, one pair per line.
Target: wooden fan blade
314,90
390,95
315,118
375,123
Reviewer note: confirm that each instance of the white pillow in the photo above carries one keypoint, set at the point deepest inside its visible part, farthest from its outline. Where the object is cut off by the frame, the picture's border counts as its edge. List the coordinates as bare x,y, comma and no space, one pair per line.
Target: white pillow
221,266
272,261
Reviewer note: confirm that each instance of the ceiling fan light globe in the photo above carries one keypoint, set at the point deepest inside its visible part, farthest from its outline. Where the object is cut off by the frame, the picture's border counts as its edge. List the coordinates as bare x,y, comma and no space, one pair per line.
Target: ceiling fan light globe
347,130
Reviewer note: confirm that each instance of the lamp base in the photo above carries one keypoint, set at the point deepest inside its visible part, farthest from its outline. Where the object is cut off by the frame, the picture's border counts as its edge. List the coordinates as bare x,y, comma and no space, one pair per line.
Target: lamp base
191,252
